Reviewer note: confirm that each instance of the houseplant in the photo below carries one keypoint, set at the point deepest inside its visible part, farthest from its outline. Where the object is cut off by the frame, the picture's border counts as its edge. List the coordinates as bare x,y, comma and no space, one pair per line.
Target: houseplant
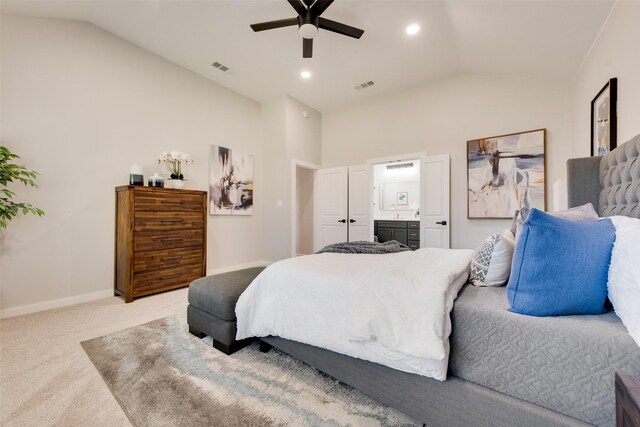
174,161
12,172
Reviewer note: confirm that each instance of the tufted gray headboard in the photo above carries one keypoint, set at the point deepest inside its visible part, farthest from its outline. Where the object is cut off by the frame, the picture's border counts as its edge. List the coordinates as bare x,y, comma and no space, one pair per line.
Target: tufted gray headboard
611,182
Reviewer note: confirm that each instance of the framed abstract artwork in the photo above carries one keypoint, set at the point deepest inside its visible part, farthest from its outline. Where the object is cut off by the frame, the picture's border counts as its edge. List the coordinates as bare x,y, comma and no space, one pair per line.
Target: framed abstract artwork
506,173
402,198
604,120
230,182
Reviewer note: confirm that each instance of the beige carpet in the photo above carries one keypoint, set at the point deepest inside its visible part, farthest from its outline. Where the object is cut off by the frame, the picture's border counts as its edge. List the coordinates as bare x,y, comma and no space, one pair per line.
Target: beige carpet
46,378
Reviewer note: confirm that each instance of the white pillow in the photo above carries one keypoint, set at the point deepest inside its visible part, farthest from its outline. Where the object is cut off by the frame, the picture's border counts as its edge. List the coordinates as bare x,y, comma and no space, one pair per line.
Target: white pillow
624,274
491,263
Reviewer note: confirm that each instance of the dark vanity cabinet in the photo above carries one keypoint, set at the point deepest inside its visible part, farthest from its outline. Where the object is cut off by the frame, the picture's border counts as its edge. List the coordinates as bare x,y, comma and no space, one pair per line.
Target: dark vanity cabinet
405,232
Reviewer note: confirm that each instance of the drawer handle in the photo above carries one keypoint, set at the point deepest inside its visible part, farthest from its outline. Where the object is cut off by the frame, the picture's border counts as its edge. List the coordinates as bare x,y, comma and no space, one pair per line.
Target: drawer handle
173,276
169,258
172,220
171,239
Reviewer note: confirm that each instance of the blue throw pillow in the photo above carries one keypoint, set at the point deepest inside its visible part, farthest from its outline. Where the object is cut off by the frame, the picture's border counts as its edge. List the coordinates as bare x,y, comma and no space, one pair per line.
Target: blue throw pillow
560,266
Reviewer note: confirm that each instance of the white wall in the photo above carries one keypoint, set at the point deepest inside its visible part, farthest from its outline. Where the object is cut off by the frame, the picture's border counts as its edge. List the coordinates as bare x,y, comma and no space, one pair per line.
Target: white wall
288,136
616,53
276,192
81,105
439,118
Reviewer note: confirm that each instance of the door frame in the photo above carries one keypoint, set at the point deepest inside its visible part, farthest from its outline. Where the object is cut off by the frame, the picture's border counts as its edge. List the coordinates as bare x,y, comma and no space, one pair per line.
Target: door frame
422,156
295,164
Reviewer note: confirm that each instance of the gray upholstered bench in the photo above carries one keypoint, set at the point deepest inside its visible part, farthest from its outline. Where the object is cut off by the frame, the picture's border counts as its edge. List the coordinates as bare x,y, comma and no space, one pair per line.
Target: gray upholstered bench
212,307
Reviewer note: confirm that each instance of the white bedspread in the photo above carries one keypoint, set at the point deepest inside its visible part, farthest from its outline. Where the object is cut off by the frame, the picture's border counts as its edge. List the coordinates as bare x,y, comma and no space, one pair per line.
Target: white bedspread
624,274
391,309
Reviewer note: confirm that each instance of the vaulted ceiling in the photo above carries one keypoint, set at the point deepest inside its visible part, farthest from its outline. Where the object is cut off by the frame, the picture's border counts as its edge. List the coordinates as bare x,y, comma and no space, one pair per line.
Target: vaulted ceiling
519,38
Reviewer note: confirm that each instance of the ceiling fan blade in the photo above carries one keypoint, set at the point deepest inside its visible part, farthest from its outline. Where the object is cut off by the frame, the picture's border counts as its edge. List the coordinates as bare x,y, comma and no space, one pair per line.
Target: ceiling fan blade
299,7
270,25
307,48
320,6
340,28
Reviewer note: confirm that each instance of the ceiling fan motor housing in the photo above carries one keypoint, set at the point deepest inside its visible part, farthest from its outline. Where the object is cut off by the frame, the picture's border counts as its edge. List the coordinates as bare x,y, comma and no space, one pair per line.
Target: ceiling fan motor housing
308,26
309,21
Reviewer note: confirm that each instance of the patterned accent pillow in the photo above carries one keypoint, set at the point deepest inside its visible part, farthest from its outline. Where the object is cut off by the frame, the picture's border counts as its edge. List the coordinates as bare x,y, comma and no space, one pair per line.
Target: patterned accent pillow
491,263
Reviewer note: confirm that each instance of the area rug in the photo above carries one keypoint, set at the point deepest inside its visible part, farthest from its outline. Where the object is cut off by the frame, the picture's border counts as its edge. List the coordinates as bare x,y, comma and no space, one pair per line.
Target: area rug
163,376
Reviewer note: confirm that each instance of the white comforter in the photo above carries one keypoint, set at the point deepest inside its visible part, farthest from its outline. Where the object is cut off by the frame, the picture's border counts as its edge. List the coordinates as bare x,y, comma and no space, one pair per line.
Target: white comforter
391,309
624,275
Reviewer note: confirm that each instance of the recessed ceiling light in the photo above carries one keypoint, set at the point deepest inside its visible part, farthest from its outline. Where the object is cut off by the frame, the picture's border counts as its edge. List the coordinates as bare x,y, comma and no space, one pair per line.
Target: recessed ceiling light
412,29
305,74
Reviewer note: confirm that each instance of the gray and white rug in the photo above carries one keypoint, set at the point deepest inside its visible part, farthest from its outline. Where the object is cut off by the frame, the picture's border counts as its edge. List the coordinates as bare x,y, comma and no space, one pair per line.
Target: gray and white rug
163,376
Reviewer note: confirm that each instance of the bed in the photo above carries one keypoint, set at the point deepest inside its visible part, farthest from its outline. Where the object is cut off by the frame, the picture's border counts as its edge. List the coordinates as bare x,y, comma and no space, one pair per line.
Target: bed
507,369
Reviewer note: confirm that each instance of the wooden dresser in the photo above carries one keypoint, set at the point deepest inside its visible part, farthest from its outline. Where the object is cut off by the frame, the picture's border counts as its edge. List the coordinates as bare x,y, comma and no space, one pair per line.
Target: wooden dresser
627,401
161,239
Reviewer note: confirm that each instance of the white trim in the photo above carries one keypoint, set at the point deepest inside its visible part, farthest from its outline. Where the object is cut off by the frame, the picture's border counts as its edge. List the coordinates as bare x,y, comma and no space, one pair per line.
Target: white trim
79,299
400,158
294,199
56,303
239,267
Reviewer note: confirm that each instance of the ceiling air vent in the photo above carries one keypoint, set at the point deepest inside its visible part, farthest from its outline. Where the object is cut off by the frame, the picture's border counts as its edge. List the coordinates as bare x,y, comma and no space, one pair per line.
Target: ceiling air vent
364,85
220,67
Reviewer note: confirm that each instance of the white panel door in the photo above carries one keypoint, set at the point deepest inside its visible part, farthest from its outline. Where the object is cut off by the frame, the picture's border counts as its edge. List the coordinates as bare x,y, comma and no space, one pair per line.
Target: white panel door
331,207
434,203
359,203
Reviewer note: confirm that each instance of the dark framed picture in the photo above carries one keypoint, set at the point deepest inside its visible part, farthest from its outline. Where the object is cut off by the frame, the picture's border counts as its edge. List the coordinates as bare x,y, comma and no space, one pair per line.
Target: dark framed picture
506,173
402,198
604,119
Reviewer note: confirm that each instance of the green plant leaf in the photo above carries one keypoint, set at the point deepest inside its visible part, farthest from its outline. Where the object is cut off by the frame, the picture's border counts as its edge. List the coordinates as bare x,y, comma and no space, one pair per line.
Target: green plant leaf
12,172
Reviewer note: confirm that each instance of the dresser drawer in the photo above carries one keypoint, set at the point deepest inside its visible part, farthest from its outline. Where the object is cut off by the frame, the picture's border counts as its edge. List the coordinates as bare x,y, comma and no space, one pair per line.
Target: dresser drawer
159,221
165,278
413,224
165,201
413,244
164,258
414,234
154,240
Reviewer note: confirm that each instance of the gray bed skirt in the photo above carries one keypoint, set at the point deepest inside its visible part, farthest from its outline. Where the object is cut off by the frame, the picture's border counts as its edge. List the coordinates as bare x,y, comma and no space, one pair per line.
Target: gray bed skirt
454,402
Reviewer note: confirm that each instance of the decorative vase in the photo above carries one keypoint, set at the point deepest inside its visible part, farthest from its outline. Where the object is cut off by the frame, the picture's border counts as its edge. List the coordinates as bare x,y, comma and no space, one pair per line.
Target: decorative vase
177,183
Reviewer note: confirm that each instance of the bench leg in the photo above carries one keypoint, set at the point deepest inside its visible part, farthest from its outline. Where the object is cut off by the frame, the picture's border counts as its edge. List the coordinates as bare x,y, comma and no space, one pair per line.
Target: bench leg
196,332
265,347
226,349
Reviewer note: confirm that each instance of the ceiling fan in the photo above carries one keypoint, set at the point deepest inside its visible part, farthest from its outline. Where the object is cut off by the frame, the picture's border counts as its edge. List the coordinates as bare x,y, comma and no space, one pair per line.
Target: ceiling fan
308,22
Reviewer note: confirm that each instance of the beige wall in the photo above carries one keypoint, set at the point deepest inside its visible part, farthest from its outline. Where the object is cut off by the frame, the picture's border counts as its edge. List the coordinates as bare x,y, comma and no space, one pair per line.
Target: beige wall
616,53
304,211
439,118
80,106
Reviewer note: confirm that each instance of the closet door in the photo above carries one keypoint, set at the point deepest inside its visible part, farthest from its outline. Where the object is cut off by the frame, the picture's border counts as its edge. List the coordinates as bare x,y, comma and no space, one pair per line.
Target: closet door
434,205
359,203
331,219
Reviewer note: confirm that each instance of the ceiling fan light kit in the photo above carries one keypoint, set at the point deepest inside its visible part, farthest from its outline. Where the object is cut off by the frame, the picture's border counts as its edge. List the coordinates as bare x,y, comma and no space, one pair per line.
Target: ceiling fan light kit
308,31
309,22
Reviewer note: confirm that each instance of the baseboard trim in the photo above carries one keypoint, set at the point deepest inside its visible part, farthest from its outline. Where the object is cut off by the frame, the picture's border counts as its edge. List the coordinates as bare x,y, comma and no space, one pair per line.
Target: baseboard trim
79,299
56,303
